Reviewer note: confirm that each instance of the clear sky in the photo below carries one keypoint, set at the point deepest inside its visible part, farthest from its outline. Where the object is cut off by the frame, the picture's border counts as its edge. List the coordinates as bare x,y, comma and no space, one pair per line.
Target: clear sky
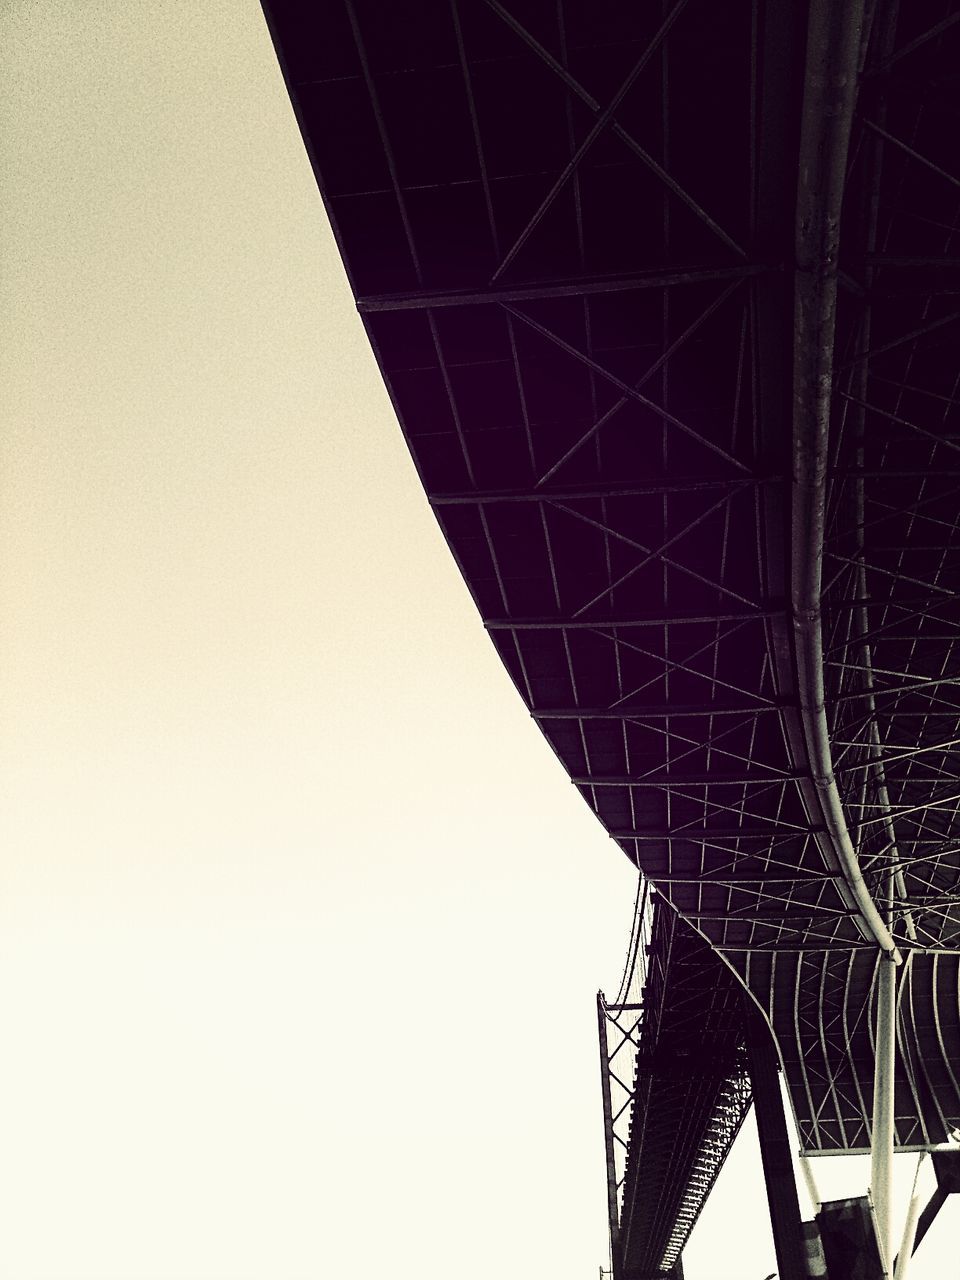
300,920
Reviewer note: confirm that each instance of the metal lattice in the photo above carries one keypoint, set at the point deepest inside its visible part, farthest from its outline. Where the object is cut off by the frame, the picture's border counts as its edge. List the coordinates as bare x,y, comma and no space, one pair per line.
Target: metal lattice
669,319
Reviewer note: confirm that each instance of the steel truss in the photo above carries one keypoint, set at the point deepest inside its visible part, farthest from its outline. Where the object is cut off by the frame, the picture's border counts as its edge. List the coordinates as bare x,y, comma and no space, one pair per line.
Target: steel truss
675,1086
574,242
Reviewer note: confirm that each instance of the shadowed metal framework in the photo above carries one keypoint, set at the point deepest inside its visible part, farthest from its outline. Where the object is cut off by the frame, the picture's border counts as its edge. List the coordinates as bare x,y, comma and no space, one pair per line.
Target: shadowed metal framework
675,1087
669,316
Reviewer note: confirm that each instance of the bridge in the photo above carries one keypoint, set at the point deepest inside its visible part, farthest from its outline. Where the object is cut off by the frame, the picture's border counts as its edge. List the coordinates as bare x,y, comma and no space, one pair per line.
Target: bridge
665,298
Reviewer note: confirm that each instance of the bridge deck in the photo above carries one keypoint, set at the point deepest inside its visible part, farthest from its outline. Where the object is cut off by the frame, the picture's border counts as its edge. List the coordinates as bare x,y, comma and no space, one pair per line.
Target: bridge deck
570,229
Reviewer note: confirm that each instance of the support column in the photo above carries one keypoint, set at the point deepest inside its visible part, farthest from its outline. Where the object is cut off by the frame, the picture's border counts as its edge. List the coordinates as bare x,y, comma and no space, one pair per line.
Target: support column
781,1184
881,1139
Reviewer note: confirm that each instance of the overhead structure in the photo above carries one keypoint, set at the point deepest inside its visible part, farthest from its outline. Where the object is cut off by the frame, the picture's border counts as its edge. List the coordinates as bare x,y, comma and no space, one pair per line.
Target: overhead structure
675,1088
667,300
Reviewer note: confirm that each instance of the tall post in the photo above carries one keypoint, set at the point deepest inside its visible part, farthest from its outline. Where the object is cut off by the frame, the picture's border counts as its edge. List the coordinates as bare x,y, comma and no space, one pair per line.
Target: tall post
813,1191
781,1185
881,1141
613,1215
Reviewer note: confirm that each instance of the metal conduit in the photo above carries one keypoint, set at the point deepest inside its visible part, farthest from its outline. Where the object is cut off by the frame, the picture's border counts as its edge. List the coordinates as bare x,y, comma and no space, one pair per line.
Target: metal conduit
833,48
887,24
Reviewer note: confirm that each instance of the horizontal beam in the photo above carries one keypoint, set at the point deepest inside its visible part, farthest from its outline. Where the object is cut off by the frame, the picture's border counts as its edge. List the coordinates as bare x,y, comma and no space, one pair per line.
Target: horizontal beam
536,290
787,910
773,832
729,878
683,484
864,1148
636,620
667,780
769,948
657,711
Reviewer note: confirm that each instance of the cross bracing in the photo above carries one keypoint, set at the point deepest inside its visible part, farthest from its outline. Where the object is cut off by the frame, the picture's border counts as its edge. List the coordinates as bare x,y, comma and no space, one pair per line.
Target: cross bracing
685,407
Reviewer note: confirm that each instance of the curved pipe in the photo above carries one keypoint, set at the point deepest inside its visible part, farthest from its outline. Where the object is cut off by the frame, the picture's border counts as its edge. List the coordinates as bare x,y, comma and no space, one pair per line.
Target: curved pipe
833,51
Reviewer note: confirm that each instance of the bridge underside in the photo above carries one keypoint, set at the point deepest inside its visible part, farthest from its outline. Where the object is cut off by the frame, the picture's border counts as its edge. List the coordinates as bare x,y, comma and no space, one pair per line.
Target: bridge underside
573,234
689,1095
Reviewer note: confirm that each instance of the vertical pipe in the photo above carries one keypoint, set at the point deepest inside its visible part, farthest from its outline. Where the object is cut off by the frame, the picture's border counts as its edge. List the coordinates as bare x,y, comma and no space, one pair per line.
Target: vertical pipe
830,92
811,1185
881,1142
613,1216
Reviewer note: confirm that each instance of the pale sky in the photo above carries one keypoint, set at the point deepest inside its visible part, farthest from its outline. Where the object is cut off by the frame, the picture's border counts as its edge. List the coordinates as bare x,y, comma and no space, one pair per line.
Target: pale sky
301,921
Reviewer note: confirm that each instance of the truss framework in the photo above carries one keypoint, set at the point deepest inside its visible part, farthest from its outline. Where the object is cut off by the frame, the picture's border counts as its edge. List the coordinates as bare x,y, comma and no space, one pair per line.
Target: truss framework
570,233
675,1084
